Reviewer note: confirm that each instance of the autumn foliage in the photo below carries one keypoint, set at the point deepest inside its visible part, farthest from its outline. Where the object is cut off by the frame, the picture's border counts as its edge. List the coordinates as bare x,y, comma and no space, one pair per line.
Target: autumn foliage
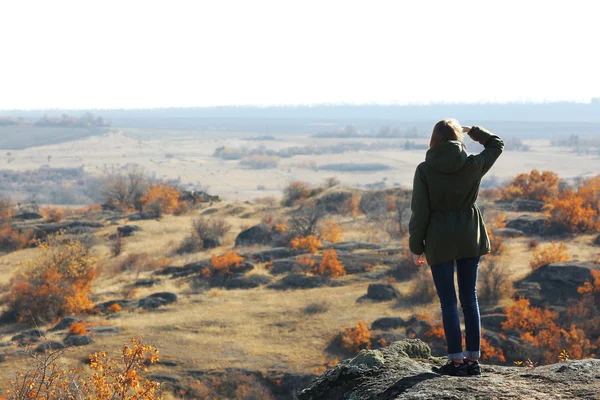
552,253
541,329
533,186
161,198
310,243
331,232
577,210
355,339
56,283
109,379
226,263
330,264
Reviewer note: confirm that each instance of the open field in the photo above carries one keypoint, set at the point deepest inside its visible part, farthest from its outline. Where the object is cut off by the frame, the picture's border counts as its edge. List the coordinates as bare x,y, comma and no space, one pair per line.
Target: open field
189,158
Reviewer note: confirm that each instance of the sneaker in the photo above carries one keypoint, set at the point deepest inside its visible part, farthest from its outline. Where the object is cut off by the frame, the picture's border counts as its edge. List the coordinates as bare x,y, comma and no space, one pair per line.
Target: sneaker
451,369
473,368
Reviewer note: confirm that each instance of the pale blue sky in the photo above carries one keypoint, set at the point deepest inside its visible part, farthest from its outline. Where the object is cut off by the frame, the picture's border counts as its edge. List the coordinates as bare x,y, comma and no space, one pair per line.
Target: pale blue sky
124,54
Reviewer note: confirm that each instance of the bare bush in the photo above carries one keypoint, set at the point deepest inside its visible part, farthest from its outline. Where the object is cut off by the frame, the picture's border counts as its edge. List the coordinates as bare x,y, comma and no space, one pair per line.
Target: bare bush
124,189
316,308
494,282
260,161
117,245
422,290
204,230
305,220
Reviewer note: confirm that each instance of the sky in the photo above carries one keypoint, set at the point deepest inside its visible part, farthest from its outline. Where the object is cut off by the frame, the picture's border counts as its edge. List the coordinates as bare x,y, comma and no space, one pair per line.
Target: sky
144,54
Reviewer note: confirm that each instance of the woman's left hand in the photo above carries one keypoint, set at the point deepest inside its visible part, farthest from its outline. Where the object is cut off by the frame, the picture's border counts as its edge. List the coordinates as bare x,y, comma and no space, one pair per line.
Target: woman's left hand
418,259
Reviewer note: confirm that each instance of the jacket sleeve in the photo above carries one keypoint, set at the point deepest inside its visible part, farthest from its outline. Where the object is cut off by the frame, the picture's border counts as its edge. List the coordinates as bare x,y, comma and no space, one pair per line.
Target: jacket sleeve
419,220
493,148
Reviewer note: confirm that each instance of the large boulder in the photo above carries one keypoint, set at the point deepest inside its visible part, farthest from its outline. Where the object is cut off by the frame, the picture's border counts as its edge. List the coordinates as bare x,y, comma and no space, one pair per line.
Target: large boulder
524,205
157,300
403,371
29,337
28,216
276,253
533,225
382,292
240,281
78,340
508,232
128,230
555,284
64,324
596,241
261,234
298,281
388,323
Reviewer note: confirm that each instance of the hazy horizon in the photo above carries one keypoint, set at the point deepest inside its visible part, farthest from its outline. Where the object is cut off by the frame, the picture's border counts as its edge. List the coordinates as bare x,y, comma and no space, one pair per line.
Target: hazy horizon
140,55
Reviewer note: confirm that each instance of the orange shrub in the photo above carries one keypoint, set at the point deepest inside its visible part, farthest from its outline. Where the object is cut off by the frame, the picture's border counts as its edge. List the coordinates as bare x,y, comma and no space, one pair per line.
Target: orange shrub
296,193
489,352
77,328
541,330
304,263
355,339
548,254
496,243
55,284
110,379
330,264
114,308
226,262
577,211
53,214
532,186
161,198
331,232
281,228
310,243
12,239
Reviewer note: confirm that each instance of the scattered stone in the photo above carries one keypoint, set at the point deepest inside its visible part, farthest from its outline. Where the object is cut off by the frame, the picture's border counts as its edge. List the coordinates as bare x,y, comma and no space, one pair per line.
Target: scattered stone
78,340
105,330
29,337
274,254
123,303
297,281
355,245
75,227
64,324
508,232
493,322
524,205
597,241
53,345
388,323
247,282
382,292
128,230
28,216
212,243
261,234
156,300
532,225
555,284
146,282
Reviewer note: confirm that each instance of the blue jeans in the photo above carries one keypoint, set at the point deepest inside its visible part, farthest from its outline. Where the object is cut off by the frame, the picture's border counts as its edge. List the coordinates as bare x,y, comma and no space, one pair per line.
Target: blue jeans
443,278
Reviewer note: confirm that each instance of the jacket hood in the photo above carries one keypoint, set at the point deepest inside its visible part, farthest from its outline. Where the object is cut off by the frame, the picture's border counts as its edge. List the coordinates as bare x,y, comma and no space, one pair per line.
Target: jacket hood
447,157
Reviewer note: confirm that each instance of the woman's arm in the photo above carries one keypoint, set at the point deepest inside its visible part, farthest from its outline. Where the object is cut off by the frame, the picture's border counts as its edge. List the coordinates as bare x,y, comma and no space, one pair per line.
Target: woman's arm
419,219
493,147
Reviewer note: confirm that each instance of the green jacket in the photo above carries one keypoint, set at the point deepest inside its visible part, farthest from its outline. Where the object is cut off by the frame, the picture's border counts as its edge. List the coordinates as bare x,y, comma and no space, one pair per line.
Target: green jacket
446,223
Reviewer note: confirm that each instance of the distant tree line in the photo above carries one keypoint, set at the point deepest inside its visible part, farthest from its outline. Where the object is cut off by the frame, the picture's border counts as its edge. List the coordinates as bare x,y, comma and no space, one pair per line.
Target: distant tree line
87,120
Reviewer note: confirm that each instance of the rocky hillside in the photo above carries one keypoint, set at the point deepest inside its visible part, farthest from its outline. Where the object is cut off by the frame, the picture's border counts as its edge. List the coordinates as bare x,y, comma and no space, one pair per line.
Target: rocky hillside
403,371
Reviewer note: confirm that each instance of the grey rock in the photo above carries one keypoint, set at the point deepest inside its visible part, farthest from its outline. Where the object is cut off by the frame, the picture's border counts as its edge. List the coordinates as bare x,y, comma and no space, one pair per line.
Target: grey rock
529,205
508,232
403,371
128,230
146,282
382,292
29,337
533,225
212,243
256,235
247,282
28,216
42,347
297,281
64,324
156,300
388,323
78,340
555,284
596,241
355,245
276,253
493,321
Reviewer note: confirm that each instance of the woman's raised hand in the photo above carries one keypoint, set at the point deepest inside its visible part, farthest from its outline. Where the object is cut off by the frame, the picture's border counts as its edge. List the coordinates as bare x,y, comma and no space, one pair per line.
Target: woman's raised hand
466,129
418,259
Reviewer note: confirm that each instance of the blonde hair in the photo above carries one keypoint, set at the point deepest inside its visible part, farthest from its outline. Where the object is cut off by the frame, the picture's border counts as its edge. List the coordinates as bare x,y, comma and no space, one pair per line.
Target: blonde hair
446,129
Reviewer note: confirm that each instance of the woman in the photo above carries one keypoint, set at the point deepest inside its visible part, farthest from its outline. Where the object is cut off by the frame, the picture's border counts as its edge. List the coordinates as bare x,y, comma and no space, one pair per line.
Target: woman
447,227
